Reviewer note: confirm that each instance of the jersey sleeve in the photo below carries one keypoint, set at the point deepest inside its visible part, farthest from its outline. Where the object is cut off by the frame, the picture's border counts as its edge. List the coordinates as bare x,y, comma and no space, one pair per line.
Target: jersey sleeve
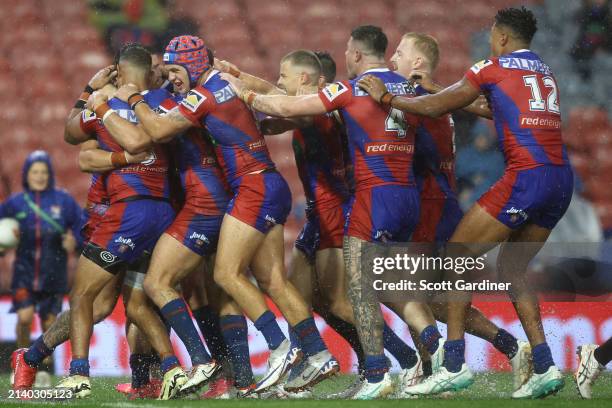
195,106
74,216
88,122
482,74
336,96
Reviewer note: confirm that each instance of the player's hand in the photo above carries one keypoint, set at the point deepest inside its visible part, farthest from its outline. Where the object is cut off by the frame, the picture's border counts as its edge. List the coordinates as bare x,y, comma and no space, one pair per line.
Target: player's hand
424,79
236,84
225,66
69,242
97,99
103,77
137,158
126,91
374,86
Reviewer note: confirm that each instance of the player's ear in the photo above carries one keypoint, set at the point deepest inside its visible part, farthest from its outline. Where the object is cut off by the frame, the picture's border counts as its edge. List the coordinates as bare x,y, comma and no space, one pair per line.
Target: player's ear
322,81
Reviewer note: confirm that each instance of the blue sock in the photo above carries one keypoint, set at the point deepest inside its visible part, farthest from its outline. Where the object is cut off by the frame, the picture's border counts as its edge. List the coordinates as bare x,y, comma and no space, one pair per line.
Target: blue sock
310,338
375,368
176,313
454,355
235,333
542,358
293,338
79,366
403,353
266,324
505,343
139,364
37,352
208,321
168,364
429,337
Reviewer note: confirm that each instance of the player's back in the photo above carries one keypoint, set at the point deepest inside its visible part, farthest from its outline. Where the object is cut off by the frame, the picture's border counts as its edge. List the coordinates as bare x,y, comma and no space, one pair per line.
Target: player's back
524,97
241,148
319,156
381,140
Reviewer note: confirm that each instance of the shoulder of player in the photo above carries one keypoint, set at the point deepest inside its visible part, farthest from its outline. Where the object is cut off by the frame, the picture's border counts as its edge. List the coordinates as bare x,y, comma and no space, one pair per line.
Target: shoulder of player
485,63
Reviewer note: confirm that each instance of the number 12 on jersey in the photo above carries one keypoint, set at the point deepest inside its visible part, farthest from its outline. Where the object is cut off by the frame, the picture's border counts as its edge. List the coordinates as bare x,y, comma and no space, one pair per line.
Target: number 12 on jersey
537,103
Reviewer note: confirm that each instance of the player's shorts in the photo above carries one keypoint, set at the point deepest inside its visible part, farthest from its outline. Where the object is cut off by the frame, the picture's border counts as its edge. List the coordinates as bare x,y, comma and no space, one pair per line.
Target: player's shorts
127,230
46,303
386,213
196,231
323,229
540,196
92,215
438,221
261,200
308,239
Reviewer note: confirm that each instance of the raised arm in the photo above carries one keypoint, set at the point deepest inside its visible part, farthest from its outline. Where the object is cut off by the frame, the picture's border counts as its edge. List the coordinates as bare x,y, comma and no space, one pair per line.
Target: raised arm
278,105
456,96
252,82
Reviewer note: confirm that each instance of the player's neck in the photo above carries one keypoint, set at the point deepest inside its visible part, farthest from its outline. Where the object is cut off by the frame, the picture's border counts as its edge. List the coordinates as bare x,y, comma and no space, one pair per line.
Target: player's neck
510,48
372,65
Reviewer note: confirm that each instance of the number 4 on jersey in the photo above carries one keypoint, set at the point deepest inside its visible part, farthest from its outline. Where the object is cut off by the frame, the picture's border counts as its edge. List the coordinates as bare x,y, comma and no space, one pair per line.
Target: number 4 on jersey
537,103
396,122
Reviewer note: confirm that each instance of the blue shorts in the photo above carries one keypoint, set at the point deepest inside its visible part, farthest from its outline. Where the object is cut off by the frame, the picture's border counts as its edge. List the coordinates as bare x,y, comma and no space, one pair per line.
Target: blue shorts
261,200
540,196
46,303
130,228
438,221
197,231
324,228
386,213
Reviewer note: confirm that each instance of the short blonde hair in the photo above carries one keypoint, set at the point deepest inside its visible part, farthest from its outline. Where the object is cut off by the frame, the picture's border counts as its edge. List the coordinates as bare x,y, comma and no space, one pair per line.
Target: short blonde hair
426,44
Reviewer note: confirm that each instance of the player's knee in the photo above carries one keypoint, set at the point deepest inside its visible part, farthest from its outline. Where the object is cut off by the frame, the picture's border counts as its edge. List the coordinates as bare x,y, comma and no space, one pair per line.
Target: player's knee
103,309
224,278
151,286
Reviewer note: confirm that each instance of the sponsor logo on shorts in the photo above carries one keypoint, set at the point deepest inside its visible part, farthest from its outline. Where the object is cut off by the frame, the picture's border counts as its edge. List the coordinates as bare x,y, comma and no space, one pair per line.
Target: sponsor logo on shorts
332,91
193,100
383,235
386,148
126,242
107,257
201,239
516,213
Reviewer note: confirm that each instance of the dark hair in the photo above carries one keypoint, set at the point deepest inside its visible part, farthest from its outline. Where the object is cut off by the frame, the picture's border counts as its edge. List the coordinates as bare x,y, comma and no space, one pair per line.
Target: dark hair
136,55
373,39
304,58
521,21
328,65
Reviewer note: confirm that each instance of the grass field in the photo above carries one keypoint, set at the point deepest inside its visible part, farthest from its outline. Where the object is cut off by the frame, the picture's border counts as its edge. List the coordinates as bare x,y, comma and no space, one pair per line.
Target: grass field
489,391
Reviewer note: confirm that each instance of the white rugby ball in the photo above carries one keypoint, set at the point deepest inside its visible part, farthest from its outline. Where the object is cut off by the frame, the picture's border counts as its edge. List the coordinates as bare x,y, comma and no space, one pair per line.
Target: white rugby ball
9,233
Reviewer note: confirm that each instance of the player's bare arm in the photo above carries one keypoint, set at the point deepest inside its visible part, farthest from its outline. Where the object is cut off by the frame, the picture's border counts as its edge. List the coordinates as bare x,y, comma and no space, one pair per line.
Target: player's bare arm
92,159
456,96
252,82
161,128
278,105
479,107
129,136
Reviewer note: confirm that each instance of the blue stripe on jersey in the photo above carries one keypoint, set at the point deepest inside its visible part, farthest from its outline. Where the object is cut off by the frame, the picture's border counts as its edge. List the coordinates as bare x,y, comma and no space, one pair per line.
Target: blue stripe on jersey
135,183
510,115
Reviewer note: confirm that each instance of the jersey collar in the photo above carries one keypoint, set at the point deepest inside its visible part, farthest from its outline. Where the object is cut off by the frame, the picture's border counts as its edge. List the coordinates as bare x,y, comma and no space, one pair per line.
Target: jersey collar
212,74
521,50
376,70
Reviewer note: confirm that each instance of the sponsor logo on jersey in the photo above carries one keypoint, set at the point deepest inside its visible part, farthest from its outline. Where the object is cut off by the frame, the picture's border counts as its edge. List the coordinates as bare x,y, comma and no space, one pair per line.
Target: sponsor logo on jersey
539,122
88,116
375,148
224,94
150,159
260,144
480,65
126,242
332,91
193,100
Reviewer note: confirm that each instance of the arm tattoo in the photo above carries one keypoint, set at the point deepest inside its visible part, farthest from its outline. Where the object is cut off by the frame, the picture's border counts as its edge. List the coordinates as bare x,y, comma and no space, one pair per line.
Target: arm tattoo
177,117
368,316
262,104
